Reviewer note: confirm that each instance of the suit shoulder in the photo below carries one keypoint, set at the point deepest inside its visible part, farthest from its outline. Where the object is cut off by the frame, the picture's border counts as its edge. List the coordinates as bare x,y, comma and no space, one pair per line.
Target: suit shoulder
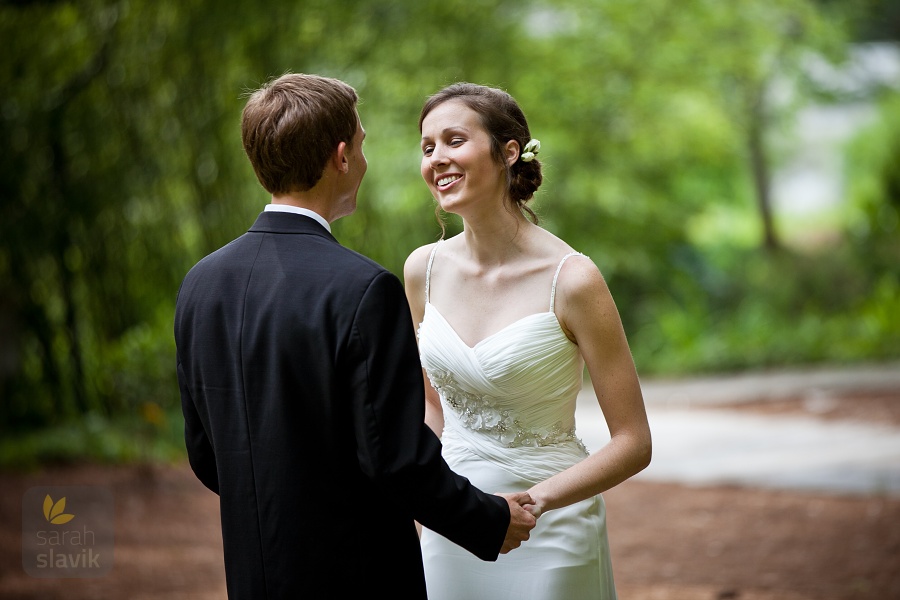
357,263
223,254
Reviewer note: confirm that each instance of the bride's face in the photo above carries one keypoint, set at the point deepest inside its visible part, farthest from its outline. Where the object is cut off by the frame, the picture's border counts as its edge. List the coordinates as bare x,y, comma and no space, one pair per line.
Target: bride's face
457,163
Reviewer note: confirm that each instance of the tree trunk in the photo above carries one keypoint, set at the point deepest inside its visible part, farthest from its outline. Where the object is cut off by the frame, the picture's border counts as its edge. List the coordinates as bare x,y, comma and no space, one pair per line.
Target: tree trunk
759,166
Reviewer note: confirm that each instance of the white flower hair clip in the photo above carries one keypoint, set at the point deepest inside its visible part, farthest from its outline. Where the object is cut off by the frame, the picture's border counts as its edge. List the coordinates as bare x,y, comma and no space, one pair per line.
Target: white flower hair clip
531,150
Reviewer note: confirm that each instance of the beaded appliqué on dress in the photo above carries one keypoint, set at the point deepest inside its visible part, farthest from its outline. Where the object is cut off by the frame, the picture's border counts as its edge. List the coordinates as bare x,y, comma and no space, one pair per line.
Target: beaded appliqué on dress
477,413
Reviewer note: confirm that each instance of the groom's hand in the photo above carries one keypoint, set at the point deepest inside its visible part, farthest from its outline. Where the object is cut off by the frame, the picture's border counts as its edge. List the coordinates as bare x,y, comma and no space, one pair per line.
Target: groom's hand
521,522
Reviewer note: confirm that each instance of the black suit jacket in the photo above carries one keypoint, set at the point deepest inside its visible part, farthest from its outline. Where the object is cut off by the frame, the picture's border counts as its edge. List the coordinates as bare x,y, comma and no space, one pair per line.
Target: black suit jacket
304,410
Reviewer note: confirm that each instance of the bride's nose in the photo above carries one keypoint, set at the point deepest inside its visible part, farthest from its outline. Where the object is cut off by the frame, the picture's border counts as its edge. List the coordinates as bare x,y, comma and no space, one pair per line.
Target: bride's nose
438,157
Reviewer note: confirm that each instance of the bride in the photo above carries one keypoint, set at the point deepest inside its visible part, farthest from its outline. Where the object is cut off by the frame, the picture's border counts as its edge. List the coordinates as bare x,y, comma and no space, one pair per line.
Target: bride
508,315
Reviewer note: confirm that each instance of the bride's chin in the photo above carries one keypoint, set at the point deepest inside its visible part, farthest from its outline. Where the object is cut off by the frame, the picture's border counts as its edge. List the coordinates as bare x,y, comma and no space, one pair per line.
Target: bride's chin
447,204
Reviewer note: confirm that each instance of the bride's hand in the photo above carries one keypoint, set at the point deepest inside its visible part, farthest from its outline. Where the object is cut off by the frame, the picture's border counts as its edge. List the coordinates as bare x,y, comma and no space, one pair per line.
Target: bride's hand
526,501
521,522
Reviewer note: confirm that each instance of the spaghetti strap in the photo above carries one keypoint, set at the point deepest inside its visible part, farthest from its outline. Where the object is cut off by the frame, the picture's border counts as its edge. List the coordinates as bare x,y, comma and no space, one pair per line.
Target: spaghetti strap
555,277
428,270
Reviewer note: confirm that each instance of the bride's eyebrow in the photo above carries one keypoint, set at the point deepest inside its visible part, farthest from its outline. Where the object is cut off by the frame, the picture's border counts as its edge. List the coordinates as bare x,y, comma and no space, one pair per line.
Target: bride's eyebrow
454,129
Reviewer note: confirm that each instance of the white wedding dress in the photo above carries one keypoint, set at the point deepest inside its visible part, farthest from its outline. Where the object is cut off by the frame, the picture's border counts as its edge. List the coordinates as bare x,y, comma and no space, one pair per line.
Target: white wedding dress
509,423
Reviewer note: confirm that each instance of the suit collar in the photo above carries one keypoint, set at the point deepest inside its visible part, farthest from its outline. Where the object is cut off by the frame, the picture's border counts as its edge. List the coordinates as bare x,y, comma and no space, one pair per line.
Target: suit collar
284,222
300,210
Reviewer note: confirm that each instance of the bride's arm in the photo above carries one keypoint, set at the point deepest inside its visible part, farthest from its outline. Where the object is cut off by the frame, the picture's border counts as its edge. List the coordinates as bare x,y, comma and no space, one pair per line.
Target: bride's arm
414,282
434,413
589,317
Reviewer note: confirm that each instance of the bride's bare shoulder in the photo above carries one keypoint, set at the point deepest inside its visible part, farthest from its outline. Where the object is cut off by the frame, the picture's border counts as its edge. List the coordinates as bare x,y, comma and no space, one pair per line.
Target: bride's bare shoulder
417,263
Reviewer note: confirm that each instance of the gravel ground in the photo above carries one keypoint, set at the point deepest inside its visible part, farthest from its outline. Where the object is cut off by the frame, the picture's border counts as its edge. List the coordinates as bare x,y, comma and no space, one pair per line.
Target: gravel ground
669,541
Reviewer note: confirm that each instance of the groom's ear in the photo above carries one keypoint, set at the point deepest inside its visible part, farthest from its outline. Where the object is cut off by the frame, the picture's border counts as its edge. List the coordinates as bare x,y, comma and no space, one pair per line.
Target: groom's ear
339,158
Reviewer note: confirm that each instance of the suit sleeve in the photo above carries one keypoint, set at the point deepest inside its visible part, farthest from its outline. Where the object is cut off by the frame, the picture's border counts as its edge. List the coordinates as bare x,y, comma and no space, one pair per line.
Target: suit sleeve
201,455
199,448
395,447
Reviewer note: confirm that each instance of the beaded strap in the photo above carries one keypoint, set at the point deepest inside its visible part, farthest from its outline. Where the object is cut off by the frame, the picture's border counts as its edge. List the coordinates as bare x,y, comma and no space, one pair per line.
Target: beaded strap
555,277
428,270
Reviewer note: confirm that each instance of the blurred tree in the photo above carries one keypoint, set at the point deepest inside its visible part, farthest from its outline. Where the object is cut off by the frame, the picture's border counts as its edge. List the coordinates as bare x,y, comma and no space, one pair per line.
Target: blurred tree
123,164
873,20
42,205
113,162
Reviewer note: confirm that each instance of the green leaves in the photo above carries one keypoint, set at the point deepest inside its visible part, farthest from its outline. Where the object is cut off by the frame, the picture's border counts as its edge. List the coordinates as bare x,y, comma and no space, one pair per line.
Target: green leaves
123,163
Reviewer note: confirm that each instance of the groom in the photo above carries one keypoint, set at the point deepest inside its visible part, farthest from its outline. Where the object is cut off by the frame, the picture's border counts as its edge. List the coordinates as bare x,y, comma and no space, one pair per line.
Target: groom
301,384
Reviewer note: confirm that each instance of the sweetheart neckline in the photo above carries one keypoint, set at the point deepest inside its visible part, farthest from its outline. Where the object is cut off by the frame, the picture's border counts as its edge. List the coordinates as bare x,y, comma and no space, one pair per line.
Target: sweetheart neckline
499,331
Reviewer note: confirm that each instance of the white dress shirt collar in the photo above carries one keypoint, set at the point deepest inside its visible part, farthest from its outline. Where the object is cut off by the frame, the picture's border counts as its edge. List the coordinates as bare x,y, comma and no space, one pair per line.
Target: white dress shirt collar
299,211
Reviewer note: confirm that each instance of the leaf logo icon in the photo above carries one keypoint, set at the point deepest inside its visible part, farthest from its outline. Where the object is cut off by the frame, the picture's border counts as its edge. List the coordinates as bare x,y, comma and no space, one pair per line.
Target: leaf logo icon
53,511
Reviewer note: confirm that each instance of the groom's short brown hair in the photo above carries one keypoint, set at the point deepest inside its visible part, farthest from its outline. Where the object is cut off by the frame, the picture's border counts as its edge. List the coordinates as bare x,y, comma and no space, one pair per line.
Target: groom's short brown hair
292,125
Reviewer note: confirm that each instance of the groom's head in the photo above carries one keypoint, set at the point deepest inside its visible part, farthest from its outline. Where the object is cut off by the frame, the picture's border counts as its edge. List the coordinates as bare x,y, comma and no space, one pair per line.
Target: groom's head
292,125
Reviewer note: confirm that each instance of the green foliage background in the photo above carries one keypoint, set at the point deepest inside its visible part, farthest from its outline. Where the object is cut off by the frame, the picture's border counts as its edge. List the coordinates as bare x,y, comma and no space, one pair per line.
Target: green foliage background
122,166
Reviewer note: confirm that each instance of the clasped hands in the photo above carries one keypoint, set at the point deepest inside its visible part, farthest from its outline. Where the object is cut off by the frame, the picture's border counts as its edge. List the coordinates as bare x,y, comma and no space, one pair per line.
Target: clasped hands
523,515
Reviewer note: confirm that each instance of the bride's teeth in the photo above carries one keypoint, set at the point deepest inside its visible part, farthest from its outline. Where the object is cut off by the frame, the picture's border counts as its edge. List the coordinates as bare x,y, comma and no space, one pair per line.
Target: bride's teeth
446,180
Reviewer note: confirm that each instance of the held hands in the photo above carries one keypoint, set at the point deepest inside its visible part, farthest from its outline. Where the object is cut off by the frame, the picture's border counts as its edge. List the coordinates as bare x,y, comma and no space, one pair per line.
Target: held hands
521,520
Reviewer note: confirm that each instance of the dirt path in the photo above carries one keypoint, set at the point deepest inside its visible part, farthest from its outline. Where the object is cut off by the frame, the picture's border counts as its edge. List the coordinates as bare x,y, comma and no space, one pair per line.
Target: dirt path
669,542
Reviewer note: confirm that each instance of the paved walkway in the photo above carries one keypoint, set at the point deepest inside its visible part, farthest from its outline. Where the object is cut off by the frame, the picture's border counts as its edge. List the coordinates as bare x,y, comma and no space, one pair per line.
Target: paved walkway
698,446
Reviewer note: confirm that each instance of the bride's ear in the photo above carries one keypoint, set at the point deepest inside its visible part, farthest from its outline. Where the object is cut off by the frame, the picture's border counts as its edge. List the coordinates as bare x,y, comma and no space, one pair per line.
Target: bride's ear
511,151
